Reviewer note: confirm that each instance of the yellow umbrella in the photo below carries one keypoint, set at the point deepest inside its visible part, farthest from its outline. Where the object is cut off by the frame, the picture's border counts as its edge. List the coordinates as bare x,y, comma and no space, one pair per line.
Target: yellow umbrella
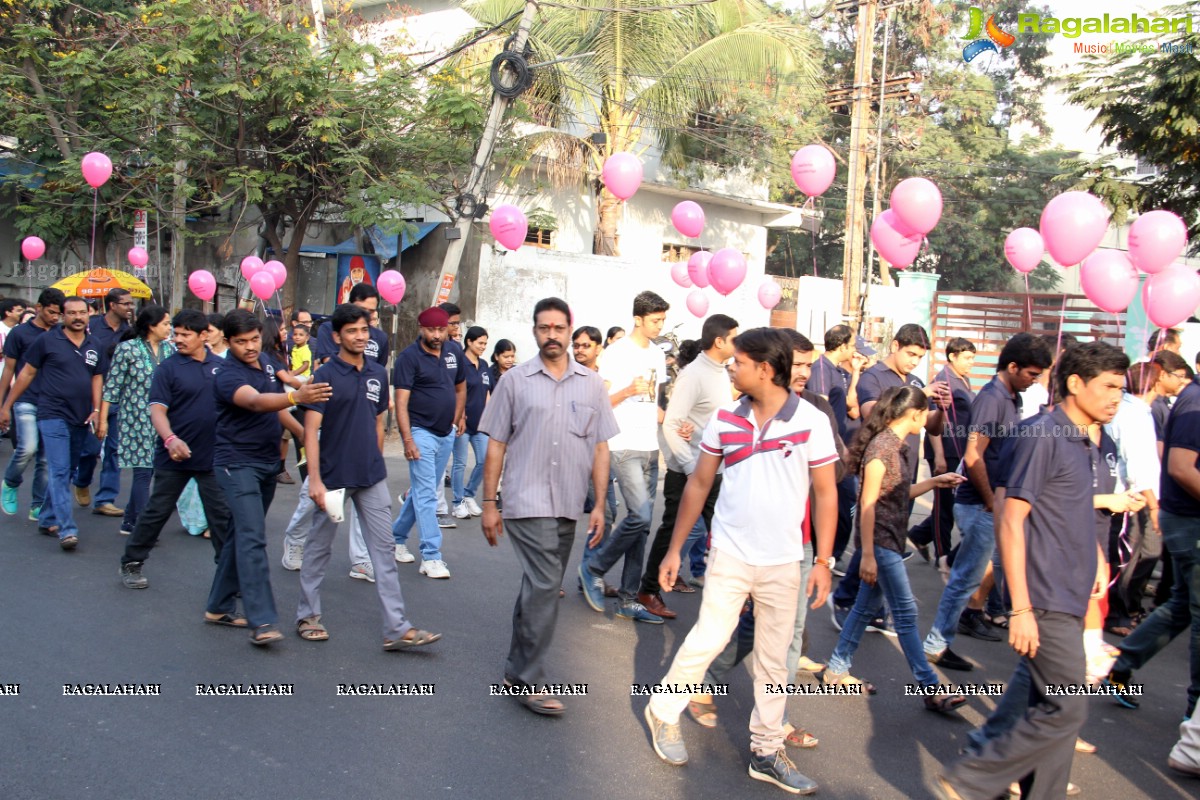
97,283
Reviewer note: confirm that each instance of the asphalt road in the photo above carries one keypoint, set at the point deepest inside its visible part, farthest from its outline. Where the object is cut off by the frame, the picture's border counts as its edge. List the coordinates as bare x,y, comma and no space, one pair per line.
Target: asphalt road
69,620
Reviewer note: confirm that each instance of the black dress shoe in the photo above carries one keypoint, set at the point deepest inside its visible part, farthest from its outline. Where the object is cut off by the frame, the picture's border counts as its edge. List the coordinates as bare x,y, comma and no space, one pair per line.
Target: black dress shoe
948,659
973,625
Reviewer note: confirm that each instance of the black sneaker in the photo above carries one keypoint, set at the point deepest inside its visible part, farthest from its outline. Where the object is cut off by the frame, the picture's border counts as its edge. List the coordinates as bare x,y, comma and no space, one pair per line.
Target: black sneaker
881,625
132,577
972,624
948,659
907,554
778,769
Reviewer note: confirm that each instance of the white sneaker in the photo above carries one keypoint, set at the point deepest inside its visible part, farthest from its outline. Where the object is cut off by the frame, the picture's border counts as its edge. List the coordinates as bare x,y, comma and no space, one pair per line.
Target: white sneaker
461,511
402,554
363,572
434,569
472,507
293,556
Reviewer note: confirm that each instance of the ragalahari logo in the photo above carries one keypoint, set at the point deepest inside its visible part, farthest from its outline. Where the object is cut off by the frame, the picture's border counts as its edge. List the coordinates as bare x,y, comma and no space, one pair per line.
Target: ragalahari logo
996,38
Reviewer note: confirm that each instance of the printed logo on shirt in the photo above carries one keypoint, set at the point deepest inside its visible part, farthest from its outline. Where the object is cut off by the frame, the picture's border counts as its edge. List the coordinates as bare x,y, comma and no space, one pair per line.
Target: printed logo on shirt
487,379
451,361
372,350
91,358
1111,460
373,388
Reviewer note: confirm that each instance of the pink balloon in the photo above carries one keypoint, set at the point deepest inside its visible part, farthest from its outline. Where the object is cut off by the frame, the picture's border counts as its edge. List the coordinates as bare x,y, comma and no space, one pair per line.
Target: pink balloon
679,274
697,268
138,257
509,226
697,303
251,265
277,271
813,169
96,168
1156,238
727,270
769,294
688,218
203,284
1072,224
1109,280
895,241
33,248
391,285
262,284
1171,296
1024,248
918,203
622,174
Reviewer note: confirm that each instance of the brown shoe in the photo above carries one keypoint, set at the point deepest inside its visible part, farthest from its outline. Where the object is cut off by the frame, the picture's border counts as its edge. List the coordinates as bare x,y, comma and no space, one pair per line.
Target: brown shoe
610,590
682,587
655,605
108,510
83,495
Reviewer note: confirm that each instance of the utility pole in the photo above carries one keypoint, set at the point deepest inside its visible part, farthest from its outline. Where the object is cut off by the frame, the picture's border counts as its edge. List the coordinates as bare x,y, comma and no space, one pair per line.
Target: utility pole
459,234
860,114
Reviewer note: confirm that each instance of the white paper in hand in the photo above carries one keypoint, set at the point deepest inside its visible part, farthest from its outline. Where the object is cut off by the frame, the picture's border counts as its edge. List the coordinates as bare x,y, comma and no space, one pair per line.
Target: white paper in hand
335,504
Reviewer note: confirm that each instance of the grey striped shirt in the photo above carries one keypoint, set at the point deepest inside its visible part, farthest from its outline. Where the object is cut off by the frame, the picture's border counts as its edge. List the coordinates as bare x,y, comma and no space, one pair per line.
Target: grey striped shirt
551,429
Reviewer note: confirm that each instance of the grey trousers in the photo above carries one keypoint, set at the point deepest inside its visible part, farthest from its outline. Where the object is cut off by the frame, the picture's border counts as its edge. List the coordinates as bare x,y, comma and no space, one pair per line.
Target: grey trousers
297,529
1037,752
543,547
374,507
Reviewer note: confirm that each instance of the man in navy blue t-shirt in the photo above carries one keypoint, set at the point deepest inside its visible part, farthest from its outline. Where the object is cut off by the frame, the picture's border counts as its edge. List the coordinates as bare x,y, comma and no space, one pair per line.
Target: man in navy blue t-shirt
24,413
363,295
184,416
343,437
68,359
252,410
1053,564
431,395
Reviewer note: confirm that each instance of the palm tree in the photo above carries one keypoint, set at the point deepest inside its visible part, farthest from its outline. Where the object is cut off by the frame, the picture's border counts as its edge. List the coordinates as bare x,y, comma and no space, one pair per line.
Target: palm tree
636,70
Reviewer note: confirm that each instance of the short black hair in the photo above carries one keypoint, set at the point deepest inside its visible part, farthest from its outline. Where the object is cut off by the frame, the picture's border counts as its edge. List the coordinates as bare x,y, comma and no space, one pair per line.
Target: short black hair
362,291
72,299
8,304
911,335
837,336
190,320
959,345
768,346
296,314
241,321
613,331
501,347
348,314
1169,336
647,303
589,331
113,296
217,320
147,318
450,308
1025,350
51,297
799,341
1059,343
474,332
1087,361
716,327
552,304
297,328
1170,361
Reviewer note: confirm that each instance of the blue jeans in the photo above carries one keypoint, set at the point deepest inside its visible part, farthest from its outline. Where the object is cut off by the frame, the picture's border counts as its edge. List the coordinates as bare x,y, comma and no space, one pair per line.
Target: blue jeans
637,477
63,443
974,554
892,583
476,442
139,494
695,548
24,420
110,473
420,507
243,567
1181,537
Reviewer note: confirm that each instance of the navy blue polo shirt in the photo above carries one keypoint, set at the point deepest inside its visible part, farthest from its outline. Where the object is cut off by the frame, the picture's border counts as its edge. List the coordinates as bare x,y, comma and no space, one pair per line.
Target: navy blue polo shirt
108,338
431,379
184,387
831,382
872,383
1182,430
1160,410
16,346
350,455
377,348
1105,482
244,436
958,416
479,385
1055,469
994,414
66,373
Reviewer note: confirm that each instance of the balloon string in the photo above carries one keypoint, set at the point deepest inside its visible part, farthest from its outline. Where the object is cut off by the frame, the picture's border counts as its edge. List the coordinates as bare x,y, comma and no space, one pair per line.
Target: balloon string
95,201
1124,550
1028,301
812,203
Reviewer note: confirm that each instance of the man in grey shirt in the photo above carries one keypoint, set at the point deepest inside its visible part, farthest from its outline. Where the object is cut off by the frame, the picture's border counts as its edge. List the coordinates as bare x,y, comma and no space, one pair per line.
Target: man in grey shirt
554,418
701,388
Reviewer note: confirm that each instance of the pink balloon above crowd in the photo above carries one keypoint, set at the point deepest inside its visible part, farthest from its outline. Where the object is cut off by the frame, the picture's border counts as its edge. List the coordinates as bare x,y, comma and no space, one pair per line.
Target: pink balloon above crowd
97,169
697,303
203,284
688,218
894,240
1109,280
679,274
250,266
1072,225
509,226
391,286
622,174
697,268
277,271
1023,248
262,284
138,257
813,169
769,294
918,204
1171,296
1156,238
33,248
727,270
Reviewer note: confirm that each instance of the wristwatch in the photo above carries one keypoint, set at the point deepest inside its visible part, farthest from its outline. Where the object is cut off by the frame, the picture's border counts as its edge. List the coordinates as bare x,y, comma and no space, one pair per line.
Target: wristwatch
824,562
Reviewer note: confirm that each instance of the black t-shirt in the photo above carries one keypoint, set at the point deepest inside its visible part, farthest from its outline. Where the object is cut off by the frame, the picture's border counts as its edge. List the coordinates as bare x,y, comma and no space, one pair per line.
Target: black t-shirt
958,417
831,382
66,372
244,436
994,414
16,346
431,380
108,339
479,385
1183,430
872,383
350,455
184,386
377,348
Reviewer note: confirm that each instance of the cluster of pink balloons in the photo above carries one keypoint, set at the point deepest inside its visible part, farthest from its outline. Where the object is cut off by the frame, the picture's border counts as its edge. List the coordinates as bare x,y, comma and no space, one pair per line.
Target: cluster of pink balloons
724,271
897,233
509,226
264,278
622,174
813,169
391,285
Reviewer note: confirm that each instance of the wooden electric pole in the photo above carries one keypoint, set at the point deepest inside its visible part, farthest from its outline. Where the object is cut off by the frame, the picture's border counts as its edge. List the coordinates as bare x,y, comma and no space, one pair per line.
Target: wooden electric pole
860,115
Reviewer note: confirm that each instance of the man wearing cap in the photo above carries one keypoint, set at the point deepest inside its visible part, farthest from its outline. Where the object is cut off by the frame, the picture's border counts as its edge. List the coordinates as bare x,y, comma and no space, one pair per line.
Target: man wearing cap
431,396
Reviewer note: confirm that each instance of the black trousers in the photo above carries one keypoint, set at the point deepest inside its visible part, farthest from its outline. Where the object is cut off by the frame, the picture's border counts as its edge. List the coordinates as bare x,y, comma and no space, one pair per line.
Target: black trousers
1139,553
847,494
924,532
672,493
164,494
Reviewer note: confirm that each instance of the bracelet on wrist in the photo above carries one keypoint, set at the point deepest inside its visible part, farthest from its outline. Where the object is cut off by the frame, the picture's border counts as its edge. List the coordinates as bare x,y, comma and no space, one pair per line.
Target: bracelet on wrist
489,501
169,439
1017,611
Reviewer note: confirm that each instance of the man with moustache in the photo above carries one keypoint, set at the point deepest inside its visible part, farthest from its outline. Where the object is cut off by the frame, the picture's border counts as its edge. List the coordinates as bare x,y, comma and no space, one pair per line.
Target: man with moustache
548,425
